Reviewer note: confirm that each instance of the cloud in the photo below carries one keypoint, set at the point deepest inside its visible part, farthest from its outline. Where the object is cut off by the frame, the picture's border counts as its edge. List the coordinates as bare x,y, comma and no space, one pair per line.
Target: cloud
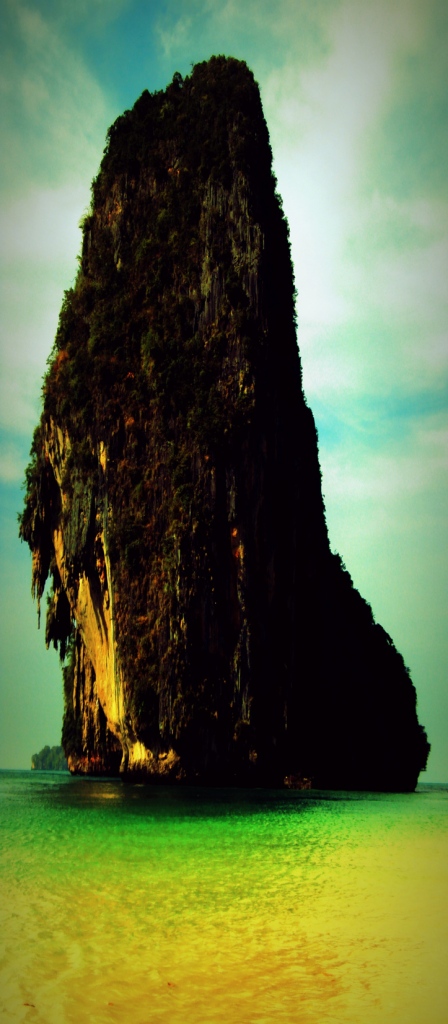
99,12
319,117
401,470
54,112
258,31
43,224
40,240
54,123
174,37
11,463
371,265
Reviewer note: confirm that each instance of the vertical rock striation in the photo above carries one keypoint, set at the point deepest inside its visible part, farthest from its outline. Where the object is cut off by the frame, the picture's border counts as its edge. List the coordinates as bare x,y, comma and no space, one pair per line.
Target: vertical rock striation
173,494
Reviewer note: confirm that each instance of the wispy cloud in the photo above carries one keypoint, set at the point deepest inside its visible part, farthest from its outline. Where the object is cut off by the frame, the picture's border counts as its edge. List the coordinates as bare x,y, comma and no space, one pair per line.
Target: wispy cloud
54,113
172,38
396,472
40,239
43,224
371,266
11,463
54,118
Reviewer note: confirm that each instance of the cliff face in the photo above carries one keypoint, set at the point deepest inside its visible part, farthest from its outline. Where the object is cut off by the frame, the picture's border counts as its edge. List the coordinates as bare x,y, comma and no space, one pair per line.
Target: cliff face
173,494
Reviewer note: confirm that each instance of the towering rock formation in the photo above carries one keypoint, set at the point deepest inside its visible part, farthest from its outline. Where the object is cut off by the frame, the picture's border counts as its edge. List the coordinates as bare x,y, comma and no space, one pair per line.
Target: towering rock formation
174,497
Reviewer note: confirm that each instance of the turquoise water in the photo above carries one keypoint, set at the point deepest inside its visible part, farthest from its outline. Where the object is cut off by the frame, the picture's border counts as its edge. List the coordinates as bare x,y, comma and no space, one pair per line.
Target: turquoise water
149,906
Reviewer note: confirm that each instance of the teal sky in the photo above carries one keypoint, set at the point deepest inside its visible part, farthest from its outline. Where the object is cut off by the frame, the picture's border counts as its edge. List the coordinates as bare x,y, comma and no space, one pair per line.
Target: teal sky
355,95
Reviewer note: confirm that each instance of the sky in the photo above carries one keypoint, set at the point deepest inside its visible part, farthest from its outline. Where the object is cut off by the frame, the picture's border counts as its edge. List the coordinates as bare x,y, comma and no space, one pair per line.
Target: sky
355,96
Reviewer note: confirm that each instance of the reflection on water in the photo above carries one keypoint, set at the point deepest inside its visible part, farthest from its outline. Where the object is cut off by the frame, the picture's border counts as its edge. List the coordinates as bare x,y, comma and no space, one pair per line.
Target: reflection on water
144,905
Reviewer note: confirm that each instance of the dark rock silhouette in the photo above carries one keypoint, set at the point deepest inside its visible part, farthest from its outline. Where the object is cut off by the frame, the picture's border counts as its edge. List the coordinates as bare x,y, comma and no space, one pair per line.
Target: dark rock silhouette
174,494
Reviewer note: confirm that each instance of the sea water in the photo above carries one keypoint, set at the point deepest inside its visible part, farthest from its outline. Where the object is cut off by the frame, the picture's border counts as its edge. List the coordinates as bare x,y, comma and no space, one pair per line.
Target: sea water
147,905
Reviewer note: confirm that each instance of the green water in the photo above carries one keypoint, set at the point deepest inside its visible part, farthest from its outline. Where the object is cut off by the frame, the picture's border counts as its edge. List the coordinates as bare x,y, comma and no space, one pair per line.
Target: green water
149,906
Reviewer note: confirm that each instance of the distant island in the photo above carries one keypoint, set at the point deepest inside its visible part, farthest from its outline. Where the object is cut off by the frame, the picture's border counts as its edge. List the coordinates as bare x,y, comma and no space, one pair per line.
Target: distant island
50,759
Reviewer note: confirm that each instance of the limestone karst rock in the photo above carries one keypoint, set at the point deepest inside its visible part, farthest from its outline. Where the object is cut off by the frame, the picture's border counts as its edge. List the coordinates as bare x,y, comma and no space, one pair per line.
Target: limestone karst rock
174,496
